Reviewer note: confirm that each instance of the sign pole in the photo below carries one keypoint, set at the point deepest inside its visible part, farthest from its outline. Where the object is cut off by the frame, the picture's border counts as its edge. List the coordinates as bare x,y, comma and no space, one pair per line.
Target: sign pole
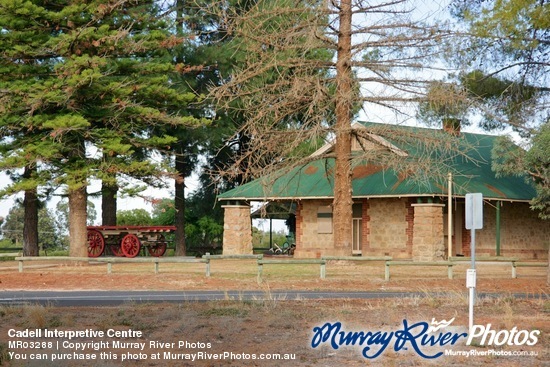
474,220
473,249
450,216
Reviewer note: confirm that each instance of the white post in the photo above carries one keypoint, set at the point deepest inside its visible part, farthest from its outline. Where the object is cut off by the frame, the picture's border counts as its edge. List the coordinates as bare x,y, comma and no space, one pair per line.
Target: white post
471,284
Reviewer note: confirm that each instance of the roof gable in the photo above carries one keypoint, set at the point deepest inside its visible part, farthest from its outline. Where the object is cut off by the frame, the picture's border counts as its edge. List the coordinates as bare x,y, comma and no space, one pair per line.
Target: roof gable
365,141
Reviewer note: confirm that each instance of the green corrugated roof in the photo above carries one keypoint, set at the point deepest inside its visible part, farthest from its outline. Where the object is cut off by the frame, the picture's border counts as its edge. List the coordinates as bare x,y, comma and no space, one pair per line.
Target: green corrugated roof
473,174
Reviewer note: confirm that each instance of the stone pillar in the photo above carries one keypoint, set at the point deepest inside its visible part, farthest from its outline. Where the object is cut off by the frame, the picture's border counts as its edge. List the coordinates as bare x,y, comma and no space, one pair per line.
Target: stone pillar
428,238
237,230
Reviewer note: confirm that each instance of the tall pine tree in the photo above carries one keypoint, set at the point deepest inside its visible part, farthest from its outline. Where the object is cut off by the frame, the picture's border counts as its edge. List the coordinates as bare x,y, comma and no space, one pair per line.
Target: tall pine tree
82,87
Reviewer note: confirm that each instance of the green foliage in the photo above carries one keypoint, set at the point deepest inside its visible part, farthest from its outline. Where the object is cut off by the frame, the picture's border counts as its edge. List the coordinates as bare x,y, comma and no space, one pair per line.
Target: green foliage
204,232
506,61
534,163
203,217
134,217
76,75
49,235
89,90
513,21
537,164
56,252
201,229
505,55
513,98
164,213
445,101
262,239
5,242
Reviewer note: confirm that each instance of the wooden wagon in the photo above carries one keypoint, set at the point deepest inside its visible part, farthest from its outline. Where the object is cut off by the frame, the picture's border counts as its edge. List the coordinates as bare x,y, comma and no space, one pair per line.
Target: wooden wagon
127,240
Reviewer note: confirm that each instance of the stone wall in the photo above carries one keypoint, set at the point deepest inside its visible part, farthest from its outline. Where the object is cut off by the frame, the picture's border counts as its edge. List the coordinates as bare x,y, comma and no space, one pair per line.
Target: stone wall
237,230
387,228
397,228
522,233
428,239
310,243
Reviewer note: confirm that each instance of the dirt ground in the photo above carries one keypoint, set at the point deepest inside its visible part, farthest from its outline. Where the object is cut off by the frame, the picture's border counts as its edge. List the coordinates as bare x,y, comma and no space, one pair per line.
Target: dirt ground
245,330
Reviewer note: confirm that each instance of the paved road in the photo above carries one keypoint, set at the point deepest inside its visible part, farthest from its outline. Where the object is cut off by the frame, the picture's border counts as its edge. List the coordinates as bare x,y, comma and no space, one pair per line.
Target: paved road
114,298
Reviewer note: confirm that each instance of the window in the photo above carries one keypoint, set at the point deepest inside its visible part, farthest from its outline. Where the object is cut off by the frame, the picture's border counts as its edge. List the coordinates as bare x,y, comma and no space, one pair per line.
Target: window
324,219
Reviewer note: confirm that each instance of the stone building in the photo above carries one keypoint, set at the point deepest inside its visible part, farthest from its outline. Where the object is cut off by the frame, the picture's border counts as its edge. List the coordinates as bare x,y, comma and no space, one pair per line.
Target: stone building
394,214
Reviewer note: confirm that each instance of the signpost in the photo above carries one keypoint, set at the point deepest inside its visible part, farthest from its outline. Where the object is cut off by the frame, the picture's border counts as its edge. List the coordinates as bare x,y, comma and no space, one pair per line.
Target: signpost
474,220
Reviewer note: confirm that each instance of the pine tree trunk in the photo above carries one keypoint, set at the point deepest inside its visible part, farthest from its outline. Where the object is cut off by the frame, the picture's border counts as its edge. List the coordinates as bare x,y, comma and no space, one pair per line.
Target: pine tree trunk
179,200
343,202
108,204
179,203
30,221
78,245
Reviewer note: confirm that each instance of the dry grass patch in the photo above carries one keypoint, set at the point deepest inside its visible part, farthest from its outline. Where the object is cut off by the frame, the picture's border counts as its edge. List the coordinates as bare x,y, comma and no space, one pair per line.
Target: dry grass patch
285,326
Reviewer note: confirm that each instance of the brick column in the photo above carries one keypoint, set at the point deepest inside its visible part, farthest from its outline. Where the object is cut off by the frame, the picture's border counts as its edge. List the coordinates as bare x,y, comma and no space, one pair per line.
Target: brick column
428,238
237,230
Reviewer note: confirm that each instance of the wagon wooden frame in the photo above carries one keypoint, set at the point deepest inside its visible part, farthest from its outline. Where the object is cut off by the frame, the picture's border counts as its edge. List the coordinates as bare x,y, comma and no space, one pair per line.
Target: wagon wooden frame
127,241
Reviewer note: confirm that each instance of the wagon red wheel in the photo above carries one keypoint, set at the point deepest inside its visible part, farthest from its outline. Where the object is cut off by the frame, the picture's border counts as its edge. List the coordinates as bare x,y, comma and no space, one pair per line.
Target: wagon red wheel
130,245
158,248
116,250
96,243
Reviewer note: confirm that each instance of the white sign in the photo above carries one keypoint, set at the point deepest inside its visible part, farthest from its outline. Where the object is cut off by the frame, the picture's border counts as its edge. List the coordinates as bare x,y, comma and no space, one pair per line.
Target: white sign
474,211
471,278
